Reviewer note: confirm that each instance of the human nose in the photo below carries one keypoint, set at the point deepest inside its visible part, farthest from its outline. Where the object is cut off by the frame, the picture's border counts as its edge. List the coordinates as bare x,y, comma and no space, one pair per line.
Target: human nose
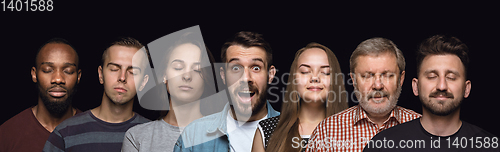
58,77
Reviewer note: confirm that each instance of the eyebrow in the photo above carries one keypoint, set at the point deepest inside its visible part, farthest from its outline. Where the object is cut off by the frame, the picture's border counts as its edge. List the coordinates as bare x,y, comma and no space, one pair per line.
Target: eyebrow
254,60
51,63
324,66
177,60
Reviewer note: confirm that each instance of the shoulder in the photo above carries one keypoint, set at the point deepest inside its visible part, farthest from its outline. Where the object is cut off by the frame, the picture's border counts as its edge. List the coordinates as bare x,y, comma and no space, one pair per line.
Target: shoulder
78,119
202,122
401,130
144,127
142,130
341,116
474,131
21,119
404,111
207,119
140,119
272,120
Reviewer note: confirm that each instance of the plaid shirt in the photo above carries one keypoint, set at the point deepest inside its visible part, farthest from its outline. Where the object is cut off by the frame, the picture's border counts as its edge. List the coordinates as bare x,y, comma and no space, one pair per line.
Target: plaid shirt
351,129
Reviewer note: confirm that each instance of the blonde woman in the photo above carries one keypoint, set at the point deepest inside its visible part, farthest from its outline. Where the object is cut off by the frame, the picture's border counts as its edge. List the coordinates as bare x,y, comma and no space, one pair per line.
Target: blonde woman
315,91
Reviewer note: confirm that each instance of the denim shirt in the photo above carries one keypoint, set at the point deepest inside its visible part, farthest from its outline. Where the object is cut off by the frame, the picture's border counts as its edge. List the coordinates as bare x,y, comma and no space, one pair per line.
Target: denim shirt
209,133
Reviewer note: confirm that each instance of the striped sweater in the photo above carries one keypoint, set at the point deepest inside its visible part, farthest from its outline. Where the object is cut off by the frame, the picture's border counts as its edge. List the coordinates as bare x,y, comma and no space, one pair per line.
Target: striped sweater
85,132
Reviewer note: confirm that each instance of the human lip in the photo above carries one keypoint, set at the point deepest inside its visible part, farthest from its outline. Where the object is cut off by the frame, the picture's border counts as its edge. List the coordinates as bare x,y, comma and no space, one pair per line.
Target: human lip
185,87
246,96
378,95
120,89
314,88
57,92
441,97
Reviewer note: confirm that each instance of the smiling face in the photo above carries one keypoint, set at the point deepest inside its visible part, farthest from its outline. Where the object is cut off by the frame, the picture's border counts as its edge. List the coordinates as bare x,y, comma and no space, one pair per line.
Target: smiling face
247,77
313,76
118,72
56,75
441,84
184,80
378,82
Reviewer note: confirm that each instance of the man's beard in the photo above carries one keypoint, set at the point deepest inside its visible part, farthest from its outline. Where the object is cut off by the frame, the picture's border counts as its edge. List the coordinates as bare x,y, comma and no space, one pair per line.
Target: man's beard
57,108
392,99
261,98
447,109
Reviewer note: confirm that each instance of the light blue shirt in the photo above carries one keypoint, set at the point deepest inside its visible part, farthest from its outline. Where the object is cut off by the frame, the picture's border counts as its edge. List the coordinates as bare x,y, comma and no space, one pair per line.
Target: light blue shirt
209,133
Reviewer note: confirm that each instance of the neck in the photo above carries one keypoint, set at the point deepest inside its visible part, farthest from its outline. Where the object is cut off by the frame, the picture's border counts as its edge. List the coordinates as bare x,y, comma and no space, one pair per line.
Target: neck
441,125
182,115
47,120
379,119
111,112
254,117
312,113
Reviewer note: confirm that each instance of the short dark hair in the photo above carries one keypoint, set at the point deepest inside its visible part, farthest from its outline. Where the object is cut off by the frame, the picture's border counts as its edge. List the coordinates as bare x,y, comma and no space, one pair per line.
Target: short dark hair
124,41
248,39
441,45
57,40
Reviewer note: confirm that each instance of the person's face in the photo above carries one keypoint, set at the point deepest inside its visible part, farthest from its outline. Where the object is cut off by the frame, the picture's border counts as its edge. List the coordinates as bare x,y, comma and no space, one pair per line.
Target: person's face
313,76
183,74
247,77
56,75
441,84
119,73
377,82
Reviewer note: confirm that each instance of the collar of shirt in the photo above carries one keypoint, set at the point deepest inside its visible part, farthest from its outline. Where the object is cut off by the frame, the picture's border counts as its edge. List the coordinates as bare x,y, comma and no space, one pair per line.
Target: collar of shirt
361,114
220,121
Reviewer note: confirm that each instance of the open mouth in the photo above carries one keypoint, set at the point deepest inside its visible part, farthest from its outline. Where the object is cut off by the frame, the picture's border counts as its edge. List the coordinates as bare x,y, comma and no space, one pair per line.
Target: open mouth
246,96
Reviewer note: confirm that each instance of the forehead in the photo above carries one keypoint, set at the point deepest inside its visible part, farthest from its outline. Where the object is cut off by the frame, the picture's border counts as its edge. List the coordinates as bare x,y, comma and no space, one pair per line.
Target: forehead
187,52
313,56
377,63
120,54
57,52
242,53
441,63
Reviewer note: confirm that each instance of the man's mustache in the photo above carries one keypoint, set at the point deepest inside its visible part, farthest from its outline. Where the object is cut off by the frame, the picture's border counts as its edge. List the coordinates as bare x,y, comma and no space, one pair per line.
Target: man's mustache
57,86
378,93
246,86
441,93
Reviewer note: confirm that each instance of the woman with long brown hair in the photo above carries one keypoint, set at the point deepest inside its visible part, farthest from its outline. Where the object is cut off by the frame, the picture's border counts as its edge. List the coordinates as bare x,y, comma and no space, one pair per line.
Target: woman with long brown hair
315,90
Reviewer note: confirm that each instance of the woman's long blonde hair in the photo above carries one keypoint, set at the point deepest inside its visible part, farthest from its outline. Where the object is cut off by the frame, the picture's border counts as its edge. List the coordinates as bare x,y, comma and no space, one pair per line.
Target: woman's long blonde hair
288,126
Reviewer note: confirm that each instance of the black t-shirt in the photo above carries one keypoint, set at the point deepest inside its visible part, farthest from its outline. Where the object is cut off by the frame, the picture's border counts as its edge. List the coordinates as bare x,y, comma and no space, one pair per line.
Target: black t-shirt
411,136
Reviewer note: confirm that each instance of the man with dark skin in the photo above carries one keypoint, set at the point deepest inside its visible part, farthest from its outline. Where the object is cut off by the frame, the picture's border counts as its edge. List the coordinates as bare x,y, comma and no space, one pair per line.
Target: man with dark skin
56,74
103,128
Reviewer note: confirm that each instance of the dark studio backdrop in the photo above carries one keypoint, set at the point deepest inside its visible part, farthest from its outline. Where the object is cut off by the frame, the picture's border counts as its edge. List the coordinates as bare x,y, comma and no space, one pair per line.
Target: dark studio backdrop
90,25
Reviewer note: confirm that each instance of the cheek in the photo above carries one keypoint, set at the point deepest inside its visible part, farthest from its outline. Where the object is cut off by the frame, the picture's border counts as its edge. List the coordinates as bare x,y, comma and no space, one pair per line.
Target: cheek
424,88
232,78
301,81
197,81
326,82
261,80
456,88
363,85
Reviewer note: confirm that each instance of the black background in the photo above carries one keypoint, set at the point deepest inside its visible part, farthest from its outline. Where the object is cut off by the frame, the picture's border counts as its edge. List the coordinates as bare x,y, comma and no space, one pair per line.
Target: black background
90,25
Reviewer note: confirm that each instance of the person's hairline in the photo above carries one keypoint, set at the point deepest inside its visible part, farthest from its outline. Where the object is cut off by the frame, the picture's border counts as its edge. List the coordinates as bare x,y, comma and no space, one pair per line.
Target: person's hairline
375,55
56,42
